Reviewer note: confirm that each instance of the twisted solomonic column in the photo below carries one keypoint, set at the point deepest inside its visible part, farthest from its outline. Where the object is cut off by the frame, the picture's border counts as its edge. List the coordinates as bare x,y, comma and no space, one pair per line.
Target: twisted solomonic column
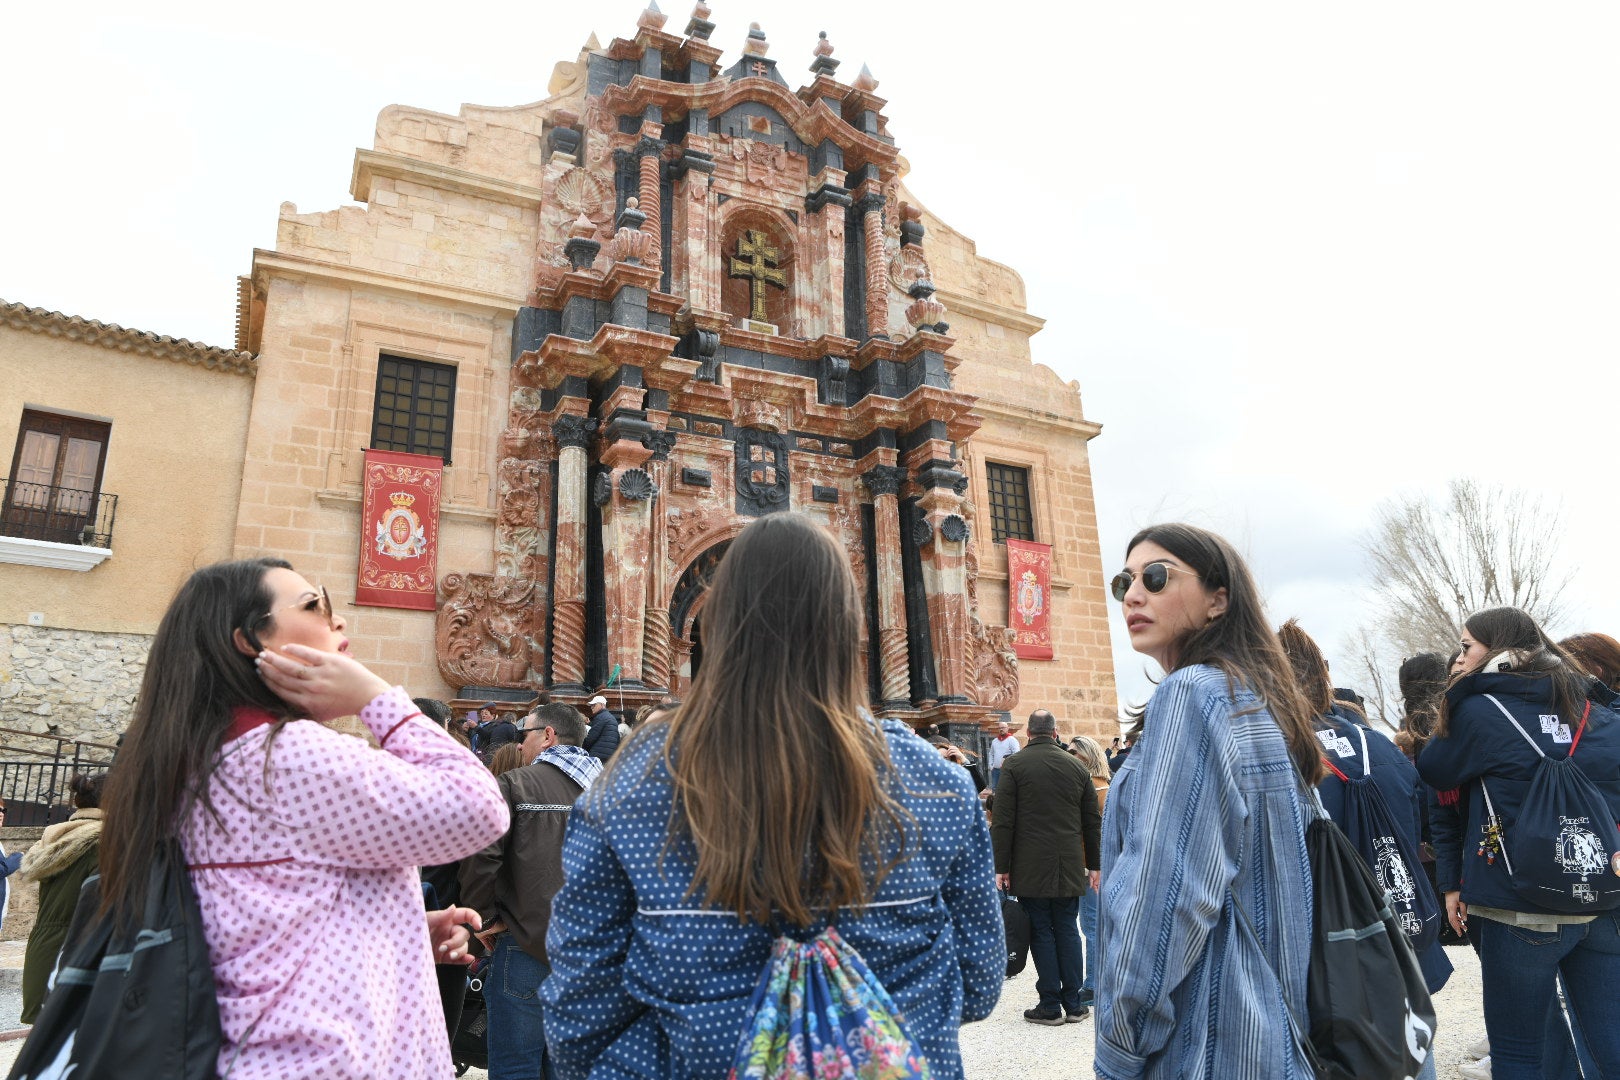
573,434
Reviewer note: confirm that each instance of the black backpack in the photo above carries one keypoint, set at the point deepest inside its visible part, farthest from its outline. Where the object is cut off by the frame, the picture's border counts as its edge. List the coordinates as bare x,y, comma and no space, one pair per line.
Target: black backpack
1370,1015
1564,840
137,1002
1370,826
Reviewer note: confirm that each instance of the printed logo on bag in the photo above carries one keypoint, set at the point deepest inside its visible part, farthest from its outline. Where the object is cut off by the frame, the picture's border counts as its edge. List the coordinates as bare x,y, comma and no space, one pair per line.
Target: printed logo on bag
1393,876
1549,724
1583,893
1579,849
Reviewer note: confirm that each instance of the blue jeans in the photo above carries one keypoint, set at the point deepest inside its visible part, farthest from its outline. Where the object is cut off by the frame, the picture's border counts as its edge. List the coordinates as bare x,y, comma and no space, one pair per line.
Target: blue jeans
995,779
1054,945
1088,927
1519,968
517,1031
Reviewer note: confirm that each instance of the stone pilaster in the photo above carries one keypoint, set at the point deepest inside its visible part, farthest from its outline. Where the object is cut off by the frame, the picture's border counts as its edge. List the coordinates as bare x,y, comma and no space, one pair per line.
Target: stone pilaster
573,434
625,495
656,647
893,654
825,227
944,565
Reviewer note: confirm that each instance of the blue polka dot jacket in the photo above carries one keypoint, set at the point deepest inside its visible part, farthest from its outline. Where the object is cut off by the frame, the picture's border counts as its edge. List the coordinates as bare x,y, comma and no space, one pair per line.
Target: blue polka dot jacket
647,981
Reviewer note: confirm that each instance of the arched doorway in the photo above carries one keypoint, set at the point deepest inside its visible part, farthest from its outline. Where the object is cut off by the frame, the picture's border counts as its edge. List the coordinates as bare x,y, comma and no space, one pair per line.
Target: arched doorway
685,611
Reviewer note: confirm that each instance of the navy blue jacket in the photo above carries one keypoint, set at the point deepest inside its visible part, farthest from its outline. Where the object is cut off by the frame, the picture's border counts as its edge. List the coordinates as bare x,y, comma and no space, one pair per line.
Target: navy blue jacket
602,737
1482,745
1397,781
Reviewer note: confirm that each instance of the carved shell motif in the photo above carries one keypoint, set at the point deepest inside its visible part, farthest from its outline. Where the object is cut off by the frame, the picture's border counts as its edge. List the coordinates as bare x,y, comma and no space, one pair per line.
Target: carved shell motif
602,488
635,485
579,192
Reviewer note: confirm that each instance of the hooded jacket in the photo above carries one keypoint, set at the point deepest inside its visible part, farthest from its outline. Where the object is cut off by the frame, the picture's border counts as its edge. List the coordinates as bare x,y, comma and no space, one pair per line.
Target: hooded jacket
60,861
1482,747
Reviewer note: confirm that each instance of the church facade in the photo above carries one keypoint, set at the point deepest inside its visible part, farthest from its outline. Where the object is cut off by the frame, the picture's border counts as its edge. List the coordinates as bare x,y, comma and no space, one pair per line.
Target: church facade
672,297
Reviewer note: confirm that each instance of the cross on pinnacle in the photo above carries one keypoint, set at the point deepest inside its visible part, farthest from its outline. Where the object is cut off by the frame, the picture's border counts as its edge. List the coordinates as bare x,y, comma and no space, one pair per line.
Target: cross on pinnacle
759,268
758,67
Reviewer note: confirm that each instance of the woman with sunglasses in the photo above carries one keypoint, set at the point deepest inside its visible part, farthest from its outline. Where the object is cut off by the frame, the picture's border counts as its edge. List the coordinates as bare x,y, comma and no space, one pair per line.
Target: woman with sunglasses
1515,685
770,802
1205,927
302,843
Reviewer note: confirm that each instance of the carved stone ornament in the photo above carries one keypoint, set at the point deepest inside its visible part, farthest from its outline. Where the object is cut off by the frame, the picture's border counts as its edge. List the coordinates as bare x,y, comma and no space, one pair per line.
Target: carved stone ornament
922,533
884,479
571,430
484,636
636,485
762,471
954,529
602,487
960,485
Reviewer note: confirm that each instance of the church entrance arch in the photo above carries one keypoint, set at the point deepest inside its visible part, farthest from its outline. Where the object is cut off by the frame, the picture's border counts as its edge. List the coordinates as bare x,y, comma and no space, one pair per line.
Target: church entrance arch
685,615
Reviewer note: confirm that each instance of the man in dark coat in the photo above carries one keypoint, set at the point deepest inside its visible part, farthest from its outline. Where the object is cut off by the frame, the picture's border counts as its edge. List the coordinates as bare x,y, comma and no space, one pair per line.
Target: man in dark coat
603,737
512,882
1047,838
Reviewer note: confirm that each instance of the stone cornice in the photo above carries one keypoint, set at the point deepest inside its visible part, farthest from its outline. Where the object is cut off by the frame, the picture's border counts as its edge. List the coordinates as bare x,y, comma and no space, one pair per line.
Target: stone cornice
369,164
113,336
1040,418
1000,314
298,266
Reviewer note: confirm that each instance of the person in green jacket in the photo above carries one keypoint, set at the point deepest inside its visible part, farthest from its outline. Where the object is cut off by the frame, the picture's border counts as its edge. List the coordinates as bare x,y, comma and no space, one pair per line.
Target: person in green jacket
63,858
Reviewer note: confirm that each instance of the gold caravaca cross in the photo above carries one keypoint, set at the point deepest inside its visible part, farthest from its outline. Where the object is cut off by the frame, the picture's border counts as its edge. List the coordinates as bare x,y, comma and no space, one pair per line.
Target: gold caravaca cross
757,263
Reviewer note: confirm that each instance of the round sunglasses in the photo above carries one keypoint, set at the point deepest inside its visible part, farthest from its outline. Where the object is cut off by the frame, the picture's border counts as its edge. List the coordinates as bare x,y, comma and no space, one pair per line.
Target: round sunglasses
1155,576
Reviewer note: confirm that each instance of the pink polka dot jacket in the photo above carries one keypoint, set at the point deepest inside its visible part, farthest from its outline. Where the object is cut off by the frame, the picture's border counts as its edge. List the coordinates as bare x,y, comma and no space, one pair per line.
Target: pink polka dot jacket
309,893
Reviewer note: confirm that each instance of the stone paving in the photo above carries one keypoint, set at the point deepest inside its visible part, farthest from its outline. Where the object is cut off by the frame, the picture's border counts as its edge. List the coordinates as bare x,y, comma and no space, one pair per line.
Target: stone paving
1006,1047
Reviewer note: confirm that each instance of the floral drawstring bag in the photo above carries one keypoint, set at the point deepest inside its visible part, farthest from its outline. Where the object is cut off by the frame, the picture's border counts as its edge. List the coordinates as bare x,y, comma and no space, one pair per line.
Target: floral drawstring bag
820,1014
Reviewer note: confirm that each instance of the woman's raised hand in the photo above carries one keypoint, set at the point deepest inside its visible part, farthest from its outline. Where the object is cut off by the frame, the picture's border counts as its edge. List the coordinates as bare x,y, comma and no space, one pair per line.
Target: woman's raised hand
320,685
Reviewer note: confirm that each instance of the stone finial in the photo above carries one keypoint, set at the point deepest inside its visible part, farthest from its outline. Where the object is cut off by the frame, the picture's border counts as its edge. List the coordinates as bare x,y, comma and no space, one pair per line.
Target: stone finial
865,81
630,244
699,27
756,45
823,64
925,312
652,19
582,228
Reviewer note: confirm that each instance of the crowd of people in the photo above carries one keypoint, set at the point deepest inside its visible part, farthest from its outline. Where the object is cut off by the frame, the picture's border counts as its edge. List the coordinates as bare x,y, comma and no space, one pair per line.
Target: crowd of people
642,893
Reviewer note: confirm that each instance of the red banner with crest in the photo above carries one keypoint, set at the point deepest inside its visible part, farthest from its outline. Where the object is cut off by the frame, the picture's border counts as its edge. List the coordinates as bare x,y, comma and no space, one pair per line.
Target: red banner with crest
399,530
1029,598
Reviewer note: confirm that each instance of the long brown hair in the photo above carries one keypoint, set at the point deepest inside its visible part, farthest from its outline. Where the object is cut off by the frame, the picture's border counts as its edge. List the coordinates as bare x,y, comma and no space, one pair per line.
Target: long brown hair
1535,656
780,780
194,678
1309,666
1597,654
1240,641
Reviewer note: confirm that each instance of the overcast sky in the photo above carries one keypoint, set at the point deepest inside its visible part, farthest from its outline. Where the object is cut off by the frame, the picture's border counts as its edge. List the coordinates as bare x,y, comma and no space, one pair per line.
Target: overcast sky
1300,260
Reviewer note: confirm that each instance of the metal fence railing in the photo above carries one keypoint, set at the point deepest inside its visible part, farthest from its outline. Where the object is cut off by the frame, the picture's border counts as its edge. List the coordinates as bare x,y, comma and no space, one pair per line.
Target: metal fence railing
36,770
61,515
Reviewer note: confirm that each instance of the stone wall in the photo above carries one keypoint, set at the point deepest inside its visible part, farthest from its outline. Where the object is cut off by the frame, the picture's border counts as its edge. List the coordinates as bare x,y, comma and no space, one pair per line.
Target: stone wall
74,683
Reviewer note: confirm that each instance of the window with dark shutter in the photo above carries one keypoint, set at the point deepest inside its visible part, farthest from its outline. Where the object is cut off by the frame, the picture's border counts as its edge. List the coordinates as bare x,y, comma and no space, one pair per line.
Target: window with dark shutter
415,407
54,489
1010,514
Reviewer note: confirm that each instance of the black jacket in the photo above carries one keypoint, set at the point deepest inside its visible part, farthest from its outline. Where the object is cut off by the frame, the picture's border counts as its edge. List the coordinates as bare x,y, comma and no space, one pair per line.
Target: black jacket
602,738
1047,826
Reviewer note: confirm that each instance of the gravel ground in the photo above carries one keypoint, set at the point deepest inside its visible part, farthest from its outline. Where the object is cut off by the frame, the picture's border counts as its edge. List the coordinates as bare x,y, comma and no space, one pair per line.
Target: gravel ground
1006,1046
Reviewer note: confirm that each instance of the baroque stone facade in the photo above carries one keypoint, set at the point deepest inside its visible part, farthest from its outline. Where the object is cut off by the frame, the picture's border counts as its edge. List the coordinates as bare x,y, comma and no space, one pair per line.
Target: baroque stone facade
677,296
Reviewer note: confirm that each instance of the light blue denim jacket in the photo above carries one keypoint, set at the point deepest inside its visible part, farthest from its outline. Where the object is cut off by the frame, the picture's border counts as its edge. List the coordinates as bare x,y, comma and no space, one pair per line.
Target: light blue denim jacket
1206,807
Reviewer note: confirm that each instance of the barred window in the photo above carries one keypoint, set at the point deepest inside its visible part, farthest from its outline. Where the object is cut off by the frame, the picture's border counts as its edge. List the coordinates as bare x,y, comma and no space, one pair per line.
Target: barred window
1009,502
415,407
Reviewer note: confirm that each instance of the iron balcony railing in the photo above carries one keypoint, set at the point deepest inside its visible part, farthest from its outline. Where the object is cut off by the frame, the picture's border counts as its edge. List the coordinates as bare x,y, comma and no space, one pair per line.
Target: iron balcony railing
36,769
62,515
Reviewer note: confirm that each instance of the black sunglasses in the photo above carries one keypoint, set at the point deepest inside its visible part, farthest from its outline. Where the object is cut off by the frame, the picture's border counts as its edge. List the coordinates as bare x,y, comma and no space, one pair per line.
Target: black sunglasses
1155,576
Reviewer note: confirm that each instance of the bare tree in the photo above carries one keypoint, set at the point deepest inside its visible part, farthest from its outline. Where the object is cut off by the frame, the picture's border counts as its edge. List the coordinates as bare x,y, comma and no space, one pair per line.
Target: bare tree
1433,564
